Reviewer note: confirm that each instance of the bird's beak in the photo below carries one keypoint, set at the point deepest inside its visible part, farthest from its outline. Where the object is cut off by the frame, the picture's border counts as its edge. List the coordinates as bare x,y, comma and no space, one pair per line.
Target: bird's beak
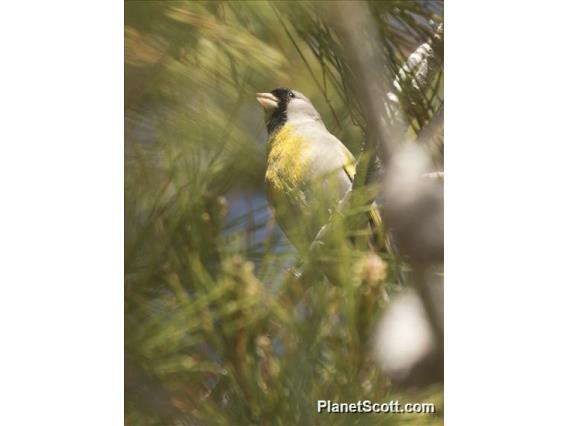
267,100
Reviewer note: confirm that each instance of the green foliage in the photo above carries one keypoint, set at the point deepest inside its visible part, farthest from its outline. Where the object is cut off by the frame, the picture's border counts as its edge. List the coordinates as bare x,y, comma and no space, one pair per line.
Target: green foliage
220,328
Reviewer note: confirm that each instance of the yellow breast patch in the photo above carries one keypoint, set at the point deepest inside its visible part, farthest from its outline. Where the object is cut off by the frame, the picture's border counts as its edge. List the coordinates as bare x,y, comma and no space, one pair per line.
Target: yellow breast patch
286,165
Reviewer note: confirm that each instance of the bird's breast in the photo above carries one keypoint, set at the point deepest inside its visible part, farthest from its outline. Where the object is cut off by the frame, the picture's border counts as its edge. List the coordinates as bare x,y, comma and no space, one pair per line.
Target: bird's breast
287,163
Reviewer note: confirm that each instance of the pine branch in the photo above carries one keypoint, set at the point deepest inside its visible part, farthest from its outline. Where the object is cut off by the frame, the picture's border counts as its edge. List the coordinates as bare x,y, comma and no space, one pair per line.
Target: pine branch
413,204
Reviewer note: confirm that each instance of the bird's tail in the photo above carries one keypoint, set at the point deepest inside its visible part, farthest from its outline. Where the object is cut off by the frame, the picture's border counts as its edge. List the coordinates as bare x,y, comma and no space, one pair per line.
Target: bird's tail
382,239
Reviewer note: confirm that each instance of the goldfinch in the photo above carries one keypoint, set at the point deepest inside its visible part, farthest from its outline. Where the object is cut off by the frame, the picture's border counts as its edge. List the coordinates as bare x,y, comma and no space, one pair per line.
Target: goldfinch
308,169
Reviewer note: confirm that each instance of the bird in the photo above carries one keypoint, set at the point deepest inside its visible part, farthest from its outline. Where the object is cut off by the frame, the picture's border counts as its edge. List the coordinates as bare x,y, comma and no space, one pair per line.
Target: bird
308,169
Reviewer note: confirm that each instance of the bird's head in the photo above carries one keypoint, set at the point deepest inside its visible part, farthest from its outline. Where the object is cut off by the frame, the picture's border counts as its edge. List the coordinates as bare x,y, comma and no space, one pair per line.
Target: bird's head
286,105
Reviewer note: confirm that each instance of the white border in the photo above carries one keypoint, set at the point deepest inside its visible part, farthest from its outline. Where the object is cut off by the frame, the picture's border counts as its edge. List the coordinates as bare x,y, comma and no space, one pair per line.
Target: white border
61,224
506,298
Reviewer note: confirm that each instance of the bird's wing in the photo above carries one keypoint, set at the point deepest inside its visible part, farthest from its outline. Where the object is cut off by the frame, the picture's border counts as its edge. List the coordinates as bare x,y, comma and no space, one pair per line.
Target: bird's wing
349,163
349,167
377,225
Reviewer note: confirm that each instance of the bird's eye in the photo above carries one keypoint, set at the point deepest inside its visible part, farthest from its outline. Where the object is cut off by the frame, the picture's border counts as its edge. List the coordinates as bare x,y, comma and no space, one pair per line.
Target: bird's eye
291,94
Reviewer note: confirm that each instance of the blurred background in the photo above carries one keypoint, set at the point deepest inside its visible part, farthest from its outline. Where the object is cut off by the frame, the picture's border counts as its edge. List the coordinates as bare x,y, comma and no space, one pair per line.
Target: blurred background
219,326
